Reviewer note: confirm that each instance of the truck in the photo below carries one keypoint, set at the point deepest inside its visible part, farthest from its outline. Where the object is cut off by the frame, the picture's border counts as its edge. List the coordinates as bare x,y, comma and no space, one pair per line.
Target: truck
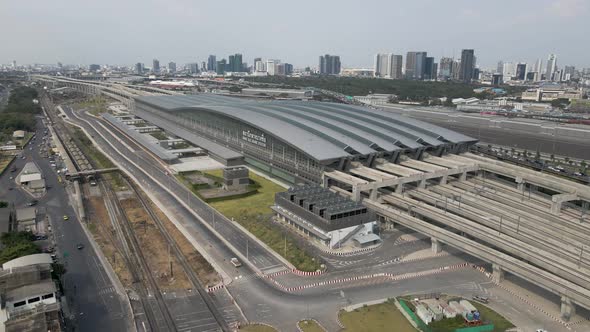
235,262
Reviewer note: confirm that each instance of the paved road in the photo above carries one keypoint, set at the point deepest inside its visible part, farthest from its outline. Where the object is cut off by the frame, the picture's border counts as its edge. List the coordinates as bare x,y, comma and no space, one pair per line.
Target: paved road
89,291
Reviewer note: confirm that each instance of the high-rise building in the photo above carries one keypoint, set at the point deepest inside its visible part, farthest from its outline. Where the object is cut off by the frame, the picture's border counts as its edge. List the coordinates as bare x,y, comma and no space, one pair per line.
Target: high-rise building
388,65
259,65
156,66
467,65
171,67
329,65
221,67
446,68
429,69
456,69
551,67
415,65
509,71
193,68
521,71
203,66
212,63
497,79
271,66
288,69
538,66
139,68
569,72
94,67
13,64
500,67
238,65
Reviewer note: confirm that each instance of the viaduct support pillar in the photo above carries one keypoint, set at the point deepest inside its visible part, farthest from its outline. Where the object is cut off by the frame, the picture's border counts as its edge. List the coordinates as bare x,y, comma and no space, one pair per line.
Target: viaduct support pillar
373,194
356,194
436,245
497,273
444,179
399,188
568,309
463,176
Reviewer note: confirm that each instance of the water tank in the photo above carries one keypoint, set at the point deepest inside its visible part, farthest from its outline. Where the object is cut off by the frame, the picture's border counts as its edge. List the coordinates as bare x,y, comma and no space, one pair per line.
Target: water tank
469,316
476,315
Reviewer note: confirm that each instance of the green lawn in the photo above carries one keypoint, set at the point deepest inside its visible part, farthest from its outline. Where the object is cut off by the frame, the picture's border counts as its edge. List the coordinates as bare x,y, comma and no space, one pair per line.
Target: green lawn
490,316
95,105
383,317
257,328
253,212
310,326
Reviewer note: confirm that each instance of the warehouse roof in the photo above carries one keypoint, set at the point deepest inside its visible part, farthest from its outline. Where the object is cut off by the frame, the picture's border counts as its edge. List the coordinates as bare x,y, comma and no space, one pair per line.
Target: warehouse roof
321,130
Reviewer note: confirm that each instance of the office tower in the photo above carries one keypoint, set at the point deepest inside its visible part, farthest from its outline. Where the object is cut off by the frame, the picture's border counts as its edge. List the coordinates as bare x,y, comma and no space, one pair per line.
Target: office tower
231,62
538,66
446,68
558,75
288,69
139,68
203,66
569,72
415,65
238,64
551,67
94,67
271,66
500,67
497,79
508,71
193,68
212,63
429,69
381,65
221,67
467,65
156,66
395,66
329,65
171,67
476,73
259,65
521,71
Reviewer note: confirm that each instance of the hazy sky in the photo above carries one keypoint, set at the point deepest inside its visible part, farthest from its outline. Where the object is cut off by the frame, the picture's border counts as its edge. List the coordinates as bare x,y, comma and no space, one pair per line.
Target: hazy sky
129,31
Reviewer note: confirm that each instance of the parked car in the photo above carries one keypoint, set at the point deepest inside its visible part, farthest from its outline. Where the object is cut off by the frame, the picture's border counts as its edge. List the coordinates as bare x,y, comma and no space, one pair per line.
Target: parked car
80,246
481,299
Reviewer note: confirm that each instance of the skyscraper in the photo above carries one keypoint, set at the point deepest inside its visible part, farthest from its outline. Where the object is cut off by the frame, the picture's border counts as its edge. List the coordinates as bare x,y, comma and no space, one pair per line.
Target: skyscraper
467,65
551,67
212,63
271,66
203,66
139,68
415,65
429,69
193,68
538,66
500,67
329,65
259,65
288,69
238,65
508,71
388,65
156,66
171,67
446,68
221,67
521,71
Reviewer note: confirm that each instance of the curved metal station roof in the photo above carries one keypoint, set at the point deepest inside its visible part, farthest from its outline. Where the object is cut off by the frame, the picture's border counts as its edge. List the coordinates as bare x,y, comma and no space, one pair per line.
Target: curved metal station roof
322,130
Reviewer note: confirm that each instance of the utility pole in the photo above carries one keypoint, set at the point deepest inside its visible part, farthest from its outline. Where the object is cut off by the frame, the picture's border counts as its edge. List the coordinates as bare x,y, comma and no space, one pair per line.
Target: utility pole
500,230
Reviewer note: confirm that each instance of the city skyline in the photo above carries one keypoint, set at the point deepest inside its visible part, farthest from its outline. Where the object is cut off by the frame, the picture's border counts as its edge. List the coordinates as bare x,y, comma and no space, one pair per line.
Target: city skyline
87,38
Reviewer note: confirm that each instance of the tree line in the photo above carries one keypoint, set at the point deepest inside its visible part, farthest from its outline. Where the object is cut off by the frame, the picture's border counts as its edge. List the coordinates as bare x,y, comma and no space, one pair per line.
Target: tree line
19,112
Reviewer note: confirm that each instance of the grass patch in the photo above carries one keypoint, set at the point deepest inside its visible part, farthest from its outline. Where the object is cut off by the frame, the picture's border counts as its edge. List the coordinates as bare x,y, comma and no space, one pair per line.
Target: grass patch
159,135
257,328
309,326
95,105
253,212
489,316
376,318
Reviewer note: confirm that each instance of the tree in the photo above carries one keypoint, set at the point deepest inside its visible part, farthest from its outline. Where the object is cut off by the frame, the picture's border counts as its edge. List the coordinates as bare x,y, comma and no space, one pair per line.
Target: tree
552,157
560,102
3,204
512,150
583,164
14,238
18,250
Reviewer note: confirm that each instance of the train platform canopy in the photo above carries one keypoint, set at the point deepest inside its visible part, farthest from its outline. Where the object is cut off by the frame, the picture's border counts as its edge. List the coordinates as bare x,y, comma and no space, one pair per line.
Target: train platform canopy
323,131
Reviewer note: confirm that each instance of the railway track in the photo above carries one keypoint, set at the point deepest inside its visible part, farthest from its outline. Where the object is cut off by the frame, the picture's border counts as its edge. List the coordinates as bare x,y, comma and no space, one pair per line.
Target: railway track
180,257
144,281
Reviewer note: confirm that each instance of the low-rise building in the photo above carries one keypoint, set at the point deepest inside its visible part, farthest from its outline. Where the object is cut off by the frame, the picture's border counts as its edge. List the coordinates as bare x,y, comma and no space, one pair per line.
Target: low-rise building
549,93
325,216
375,99
26,219
31,178
280,93
236,177
19,134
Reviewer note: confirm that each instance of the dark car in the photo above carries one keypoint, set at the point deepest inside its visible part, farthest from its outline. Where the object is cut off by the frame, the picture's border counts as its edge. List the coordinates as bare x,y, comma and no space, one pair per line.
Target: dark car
80,246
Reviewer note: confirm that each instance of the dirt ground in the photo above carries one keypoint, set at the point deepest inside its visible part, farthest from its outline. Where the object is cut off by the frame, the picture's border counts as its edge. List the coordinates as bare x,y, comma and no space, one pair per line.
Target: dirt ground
103,232
205,272
155,249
